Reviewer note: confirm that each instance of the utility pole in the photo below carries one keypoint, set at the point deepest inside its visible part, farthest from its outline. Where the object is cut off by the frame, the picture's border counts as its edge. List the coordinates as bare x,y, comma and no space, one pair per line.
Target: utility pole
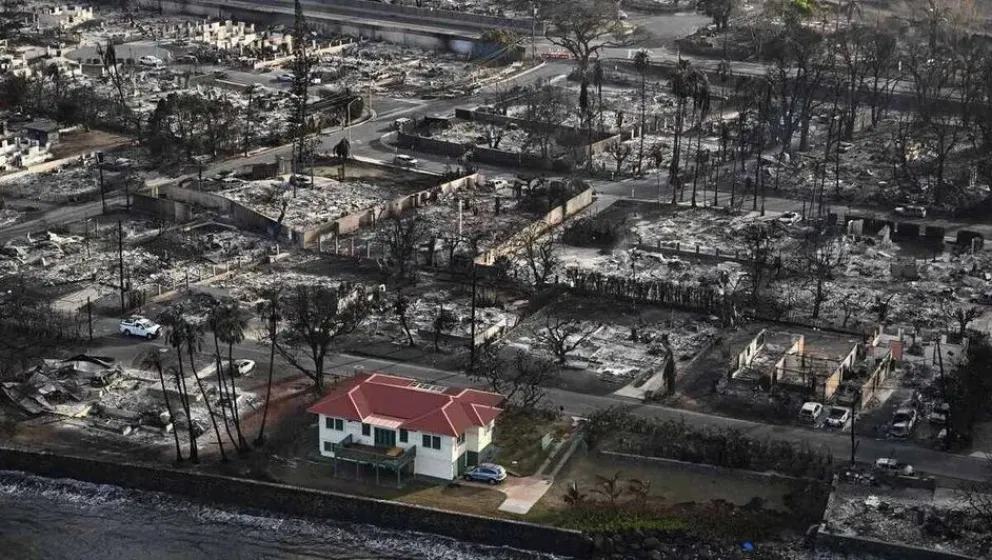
89,316
854,415
99,166
533,36
475,279
120,259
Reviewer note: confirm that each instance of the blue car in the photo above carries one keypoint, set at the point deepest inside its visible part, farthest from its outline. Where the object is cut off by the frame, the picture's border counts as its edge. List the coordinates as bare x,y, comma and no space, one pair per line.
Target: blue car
486,472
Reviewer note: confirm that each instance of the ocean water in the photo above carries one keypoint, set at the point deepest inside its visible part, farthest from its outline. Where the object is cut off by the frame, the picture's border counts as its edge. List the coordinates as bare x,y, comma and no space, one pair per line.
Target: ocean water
47,519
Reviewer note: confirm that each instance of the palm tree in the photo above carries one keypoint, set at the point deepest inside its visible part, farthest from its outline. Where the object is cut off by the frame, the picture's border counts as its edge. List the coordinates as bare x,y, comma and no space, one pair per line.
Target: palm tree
700,92
642,60
194,343
154,360
173,319
268,311
681,89
216,319
231,331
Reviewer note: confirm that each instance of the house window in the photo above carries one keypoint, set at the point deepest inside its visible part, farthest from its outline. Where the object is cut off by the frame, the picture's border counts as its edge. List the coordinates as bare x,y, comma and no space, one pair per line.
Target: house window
403,435
339,424
328,446
432,442
329,423
366,429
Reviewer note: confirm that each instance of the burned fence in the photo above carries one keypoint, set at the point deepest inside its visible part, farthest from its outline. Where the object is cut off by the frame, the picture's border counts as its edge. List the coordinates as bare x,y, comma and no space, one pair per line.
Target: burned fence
699,299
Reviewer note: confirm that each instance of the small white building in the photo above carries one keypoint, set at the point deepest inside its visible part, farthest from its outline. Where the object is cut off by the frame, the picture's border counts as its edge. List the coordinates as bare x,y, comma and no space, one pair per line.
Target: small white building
62,17
17,152
392,422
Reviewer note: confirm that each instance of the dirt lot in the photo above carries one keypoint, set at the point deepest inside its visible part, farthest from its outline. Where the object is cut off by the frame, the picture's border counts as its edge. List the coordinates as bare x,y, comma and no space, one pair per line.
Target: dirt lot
669,486
84,142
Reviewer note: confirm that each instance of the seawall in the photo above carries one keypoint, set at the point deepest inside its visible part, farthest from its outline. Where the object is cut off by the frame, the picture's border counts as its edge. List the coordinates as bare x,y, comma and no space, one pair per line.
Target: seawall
291,500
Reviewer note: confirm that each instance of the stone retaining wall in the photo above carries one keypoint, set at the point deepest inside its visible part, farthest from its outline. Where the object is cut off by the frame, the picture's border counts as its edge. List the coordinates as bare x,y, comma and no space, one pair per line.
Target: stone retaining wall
290,500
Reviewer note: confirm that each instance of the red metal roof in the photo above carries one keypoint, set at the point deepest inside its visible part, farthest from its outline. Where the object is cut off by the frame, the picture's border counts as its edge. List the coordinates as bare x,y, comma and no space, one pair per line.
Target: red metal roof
420,407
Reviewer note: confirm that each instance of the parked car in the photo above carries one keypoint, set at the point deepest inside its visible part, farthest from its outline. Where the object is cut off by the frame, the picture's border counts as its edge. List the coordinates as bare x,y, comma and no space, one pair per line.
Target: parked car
892,466
187,59
402,123
405,161
810,412
285,78
903,422
790,218
139,326
486,472
498,184
241,367
838,416
152,61
912,211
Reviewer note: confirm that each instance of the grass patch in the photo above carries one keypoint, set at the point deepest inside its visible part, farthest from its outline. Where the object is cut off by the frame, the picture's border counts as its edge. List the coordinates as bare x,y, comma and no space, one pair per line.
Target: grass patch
518,437
454,497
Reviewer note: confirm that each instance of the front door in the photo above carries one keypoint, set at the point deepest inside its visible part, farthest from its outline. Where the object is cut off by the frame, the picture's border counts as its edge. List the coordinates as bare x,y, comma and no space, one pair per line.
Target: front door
384,438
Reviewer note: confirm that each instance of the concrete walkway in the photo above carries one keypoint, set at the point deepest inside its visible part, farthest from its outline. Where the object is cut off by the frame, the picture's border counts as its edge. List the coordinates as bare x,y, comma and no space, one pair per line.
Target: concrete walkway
523,493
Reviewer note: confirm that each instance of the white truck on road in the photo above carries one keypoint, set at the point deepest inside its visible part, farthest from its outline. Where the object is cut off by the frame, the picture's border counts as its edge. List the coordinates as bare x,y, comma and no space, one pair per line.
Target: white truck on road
139,326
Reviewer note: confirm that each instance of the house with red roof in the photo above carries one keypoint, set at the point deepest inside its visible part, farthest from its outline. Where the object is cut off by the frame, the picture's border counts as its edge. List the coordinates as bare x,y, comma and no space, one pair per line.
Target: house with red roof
393,422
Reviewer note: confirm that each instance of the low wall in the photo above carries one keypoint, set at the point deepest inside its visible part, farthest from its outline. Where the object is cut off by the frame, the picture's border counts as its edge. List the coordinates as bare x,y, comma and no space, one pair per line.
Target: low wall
169,210
517,242
768,478
242,215
487,156
290,500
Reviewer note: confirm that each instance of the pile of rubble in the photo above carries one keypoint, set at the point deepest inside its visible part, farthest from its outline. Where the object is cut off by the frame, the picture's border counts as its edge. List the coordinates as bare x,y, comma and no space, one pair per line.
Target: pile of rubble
73,183
307,205
931,519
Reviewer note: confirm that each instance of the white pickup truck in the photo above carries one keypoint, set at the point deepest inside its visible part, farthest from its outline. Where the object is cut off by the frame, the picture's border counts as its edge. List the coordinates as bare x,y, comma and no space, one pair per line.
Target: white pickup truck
139,326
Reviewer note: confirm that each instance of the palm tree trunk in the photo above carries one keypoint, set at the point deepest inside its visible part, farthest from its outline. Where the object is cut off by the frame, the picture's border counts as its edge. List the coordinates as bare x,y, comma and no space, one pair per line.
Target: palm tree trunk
223,392
172,416
640,149
268,392
242,442
194,454
210,409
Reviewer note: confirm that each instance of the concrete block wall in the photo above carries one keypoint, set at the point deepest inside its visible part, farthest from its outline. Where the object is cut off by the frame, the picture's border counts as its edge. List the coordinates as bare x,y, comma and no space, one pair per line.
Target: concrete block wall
291,500
556,216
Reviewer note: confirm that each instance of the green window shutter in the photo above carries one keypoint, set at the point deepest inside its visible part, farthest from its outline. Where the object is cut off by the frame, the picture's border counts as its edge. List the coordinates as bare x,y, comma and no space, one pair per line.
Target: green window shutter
427,441
328,446
403,435
329,423
339,424
436,442
366,429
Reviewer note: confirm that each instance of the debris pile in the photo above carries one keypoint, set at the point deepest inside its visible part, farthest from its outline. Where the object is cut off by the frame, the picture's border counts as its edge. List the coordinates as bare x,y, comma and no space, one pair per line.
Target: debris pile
307,205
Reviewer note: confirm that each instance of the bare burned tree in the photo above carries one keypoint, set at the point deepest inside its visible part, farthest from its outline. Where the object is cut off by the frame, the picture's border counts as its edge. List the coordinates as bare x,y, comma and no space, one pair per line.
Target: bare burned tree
821,255
560,336
403,237
493,134
314,318
546,107
583,28
620,152
539,255
517,375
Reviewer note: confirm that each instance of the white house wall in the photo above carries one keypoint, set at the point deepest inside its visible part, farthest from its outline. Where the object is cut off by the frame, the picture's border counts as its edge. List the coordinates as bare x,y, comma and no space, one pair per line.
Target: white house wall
478,439
437,463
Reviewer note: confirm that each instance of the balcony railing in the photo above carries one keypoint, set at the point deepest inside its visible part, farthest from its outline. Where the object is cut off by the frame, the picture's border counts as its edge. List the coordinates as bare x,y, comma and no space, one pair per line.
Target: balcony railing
389,457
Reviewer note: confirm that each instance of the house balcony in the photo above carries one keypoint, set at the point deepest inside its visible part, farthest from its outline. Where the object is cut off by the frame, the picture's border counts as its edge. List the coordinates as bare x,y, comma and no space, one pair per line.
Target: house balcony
392,458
